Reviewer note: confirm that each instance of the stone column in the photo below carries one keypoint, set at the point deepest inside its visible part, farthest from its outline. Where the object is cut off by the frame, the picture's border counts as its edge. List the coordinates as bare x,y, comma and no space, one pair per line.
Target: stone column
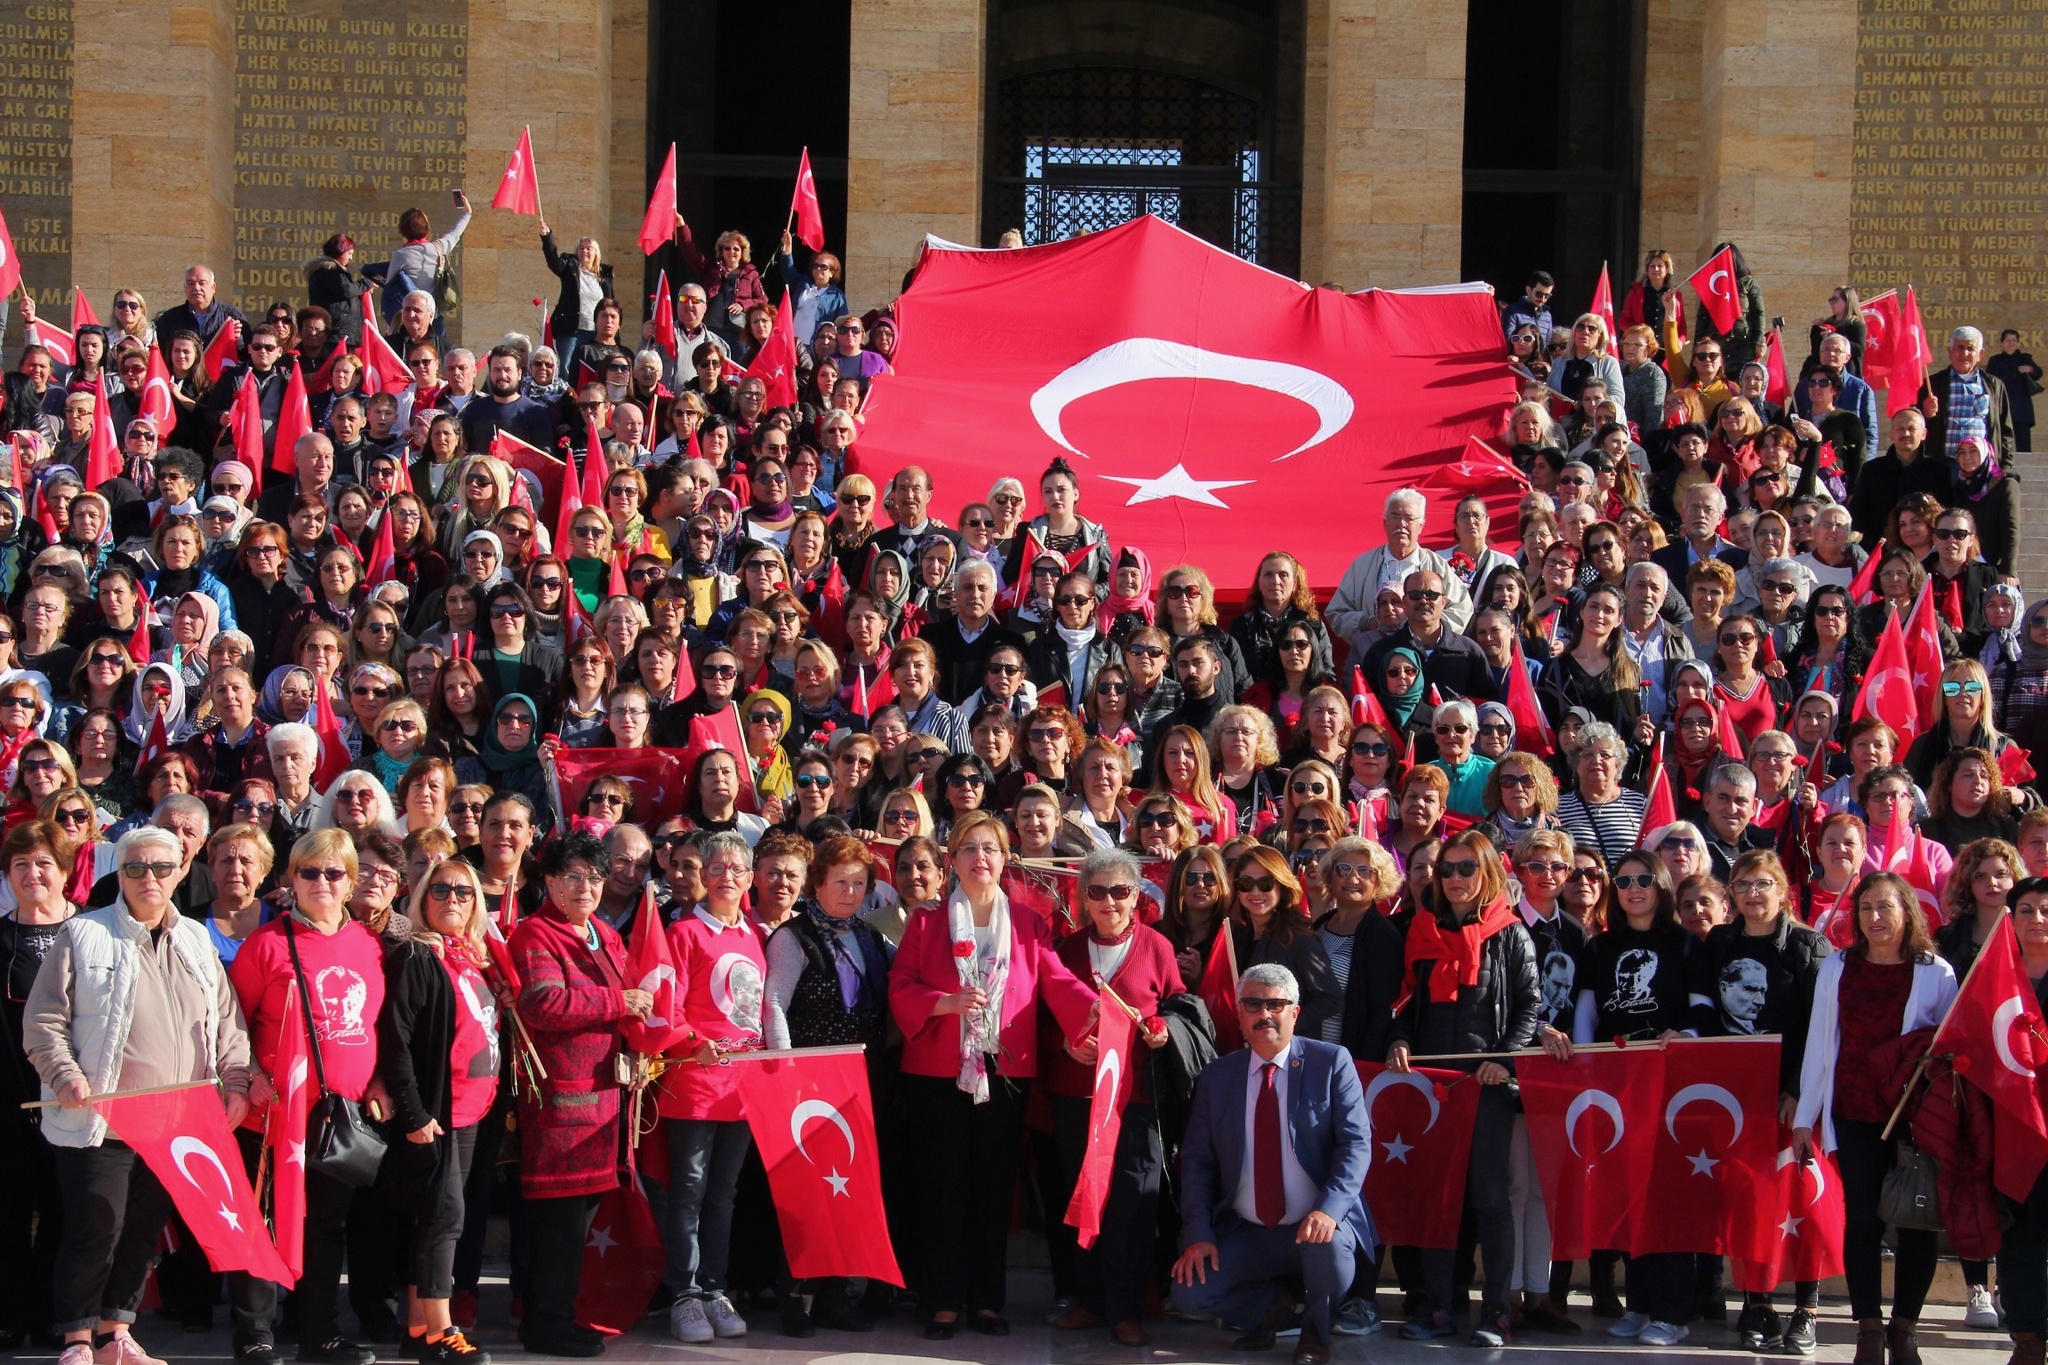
547,64
1391,128
914,135
1671,134
152,156
1778,110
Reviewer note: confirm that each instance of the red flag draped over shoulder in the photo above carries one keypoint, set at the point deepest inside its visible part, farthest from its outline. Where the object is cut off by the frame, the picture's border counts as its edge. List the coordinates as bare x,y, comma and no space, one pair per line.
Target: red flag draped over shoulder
1150,391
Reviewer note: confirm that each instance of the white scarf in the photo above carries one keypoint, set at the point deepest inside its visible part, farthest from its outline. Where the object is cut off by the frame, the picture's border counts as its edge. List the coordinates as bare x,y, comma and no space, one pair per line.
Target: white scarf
980,1031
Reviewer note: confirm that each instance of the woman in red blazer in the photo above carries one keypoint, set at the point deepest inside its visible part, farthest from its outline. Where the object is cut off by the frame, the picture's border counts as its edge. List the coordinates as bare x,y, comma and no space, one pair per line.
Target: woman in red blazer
965,989
1137,962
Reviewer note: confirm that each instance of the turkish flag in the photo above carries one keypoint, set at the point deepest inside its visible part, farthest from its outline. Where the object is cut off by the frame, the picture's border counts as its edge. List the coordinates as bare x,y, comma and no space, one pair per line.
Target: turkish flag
1996,1030
61,345
222,351
1883,320
1793,1215
665,318
1603,308
623,1261
658,227
1218,990
245,425
722,730
1663,807
1777,385
10,264
1532,728
2018,1154
775,363
82,314
1718,1134
1910,355
654,971
384,369
568,502
596,469
183,1137
657,778
103,450
1114,1080
138,639
814,1123
809,219
1718,290
1593,1128
157,404
519,190
615,586
2015,765
1366,709
1887,690
285,1133
1151,390
383,565
1422,1135
869,699
829,622
537,462
334,755
496,926
1863,587
294,419
1923,652
155,742
322,378
1731,739
1484,472
1019,590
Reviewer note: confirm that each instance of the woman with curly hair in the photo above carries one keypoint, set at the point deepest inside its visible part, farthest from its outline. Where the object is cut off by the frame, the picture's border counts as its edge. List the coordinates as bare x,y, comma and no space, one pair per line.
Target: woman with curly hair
1968,801
1831,651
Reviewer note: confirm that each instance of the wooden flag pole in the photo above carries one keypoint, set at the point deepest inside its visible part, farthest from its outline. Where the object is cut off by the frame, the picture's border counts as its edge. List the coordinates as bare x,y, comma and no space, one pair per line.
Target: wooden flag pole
123,1094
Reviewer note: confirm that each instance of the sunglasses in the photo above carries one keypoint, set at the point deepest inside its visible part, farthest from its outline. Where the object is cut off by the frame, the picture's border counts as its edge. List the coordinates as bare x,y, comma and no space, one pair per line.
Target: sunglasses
1311,825
544,584
722,672
978,524
1585,874
816,781
262,810
1366,748
330,875
1948,689
1309,788
1157,819
161,872
1458,867
1122,891
1259,884
1264,1005
1633,880
460,892
465,808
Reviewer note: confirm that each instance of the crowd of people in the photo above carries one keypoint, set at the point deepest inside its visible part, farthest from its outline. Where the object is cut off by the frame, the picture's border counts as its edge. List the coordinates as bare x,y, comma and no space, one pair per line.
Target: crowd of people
973,786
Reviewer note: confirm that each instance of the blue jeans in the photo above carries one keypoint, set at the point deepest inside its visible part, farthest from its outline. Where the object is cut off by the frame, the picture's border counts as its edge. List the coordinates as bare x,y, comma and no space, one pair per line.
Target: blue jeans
704,1172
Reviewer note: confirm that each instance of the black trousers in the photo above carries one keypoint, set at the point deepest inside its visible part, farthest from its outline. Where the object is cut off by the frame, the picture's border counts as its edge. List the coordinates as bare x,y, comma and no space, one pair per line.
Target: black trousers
114,1210
558,1228
490,1183
1113,1273
1488,1206
2023,1274
1662,1286
252,1302
31,1225
967,1159
1864,1158
437,1224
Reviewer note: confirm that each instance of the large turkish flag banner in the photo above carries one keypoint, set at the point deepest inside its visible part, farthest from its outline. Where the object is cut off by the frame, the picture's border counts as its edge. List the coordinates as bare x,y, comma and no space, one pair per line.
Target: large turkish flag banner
1593,1130
1422,1145
1716,1137
1212,409
658,778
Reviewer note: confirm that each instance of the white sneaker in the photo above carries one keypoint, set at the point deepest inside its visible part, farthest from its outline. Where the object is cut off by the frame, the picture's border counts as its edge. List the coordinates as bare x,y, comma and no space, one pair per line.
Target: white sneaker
77,1353
686,1322
1662,1334
1980,1313
725,1319
1629,1325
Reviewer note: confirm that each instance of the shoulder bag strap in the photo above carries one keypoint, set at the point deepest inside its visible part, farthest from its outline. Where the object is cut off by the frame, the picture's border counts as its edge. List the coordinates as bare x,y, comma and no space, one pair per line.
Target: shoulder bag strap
291,943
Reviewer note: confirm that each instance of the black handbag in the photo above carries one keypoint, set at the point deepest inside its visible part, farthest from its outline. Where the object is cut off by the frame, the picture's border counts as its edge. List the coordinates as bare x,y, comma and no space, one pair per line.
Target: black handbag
340,1143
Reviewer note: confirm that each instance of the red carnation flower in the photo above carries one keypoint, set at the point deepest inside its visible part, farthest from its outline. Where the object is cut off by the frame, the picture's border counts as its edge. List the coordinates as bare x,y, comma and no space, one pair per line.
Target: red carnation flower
963,949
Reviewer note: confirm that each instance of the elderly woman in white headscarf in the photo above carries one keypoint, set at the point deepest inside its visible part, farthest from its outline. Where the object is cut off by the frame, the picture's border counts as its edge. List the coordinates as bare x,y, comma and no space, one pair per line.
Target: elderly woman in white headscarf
483,558
158,691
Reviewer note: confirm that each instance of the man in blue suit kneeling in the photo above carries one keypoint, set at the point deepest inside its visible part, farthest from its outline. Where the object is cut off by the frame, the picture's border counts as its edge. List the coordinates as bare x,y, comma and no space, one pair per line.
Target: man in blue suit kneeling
1273,1174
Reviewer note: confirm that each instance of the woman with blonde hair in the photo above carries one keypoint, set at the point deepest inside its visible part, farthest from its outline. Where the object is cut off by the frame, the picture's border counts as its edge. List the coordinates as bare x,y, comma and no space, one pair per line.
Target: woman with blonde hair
1361,943
1965,722
476,490
853,525
1586,359
1187,607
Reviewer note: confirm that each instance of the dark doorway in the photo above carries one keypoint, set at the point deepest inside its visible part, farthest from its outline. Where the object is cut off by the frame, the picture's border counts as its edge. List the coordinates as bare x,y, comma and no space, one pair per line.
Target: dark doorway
1553,137
1090,126
739,118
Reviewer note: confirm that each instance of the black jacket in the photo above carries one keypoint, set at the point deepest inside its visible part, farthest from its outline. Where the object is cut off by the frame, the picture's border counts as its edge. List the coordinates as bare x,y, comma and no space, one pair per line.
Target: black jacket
1046,664
1456,666
1790,963
416,1037
1372,987
1255,633
1887,481
569,308
1497,1015
329,285
1304,956
961,662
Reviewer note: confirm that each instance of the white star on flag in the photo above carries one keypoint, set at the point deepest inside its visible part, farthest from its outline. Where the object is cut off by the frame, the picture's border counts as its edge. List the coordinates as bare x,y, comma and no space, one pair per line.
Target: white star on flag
230,1217
295,1154
1704,1164
1177,483
1790,1227
838,1183
602,1239
1398,1150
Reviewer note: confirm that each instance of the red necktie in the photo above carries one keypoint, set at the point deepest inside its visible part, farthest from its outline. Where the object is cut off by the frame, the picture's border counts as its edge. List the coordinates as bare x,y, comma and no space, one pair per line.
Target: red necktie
1269,1187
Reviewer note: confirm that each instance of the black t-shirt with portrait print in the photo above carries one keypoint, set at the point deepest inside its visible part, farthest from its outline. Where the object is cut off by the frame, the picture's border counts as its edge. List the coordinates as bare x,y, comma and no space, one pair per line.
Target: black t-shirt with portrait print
1758,984
1559,941
1637,978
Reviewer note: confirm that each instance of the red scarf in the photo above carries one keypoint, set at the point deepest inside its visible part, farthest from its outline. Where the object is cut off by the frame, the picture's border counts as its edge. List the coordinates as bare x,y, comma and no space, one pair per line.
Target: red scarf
1948,600
1454,952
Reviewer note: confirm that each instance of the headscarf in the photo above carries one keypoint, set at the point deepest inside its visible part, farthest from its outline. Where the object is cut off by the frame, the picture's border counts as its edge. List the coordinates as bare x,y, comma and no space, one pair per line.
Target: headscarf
901,597
2033,657
209,609
1976,485
2006,645
734,541
1693,767
233,535
1116,605
927,596
138,723
774,778
1501,714
512,769
1401,706
498,575
14,549
270,702
688,565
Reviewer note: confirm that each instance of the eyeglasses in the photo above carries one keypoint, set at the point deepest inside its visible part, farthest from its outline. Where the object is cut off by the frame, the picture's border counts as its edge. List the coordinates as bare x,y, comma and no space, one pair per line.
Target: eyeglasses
1454,729
1748,886
1251,1004
580,881
1631,880
28,703
1258,884
160,872
330,875
460,892
1122,891
1458,867
1948,689
1308,787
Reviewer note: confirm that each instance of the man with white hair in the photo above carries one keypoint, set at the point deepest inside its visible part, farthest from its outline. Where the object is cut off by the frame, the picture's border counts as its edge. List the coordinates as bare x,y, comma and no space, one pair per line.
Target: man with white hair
1963,400
1855,395
294,749
458,379
1356,602
1273,1174
132,995
1656,643
965,639
1700,516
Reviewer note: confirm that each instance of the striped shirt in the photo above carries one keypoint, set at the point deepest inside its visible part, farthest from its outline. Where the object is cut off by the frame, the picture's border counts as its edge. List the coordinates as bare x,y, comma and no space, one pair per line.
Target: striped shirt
1611,827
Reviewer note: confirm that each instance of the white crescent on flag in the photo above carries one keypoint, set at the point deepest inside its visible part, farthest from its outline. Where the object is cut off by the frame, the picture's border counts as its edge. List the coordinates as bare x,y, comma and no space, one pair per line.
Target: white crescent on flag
1387,1079
1717,289
819,1109
2001,1034
1692,1093
1593,1099
184,1147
